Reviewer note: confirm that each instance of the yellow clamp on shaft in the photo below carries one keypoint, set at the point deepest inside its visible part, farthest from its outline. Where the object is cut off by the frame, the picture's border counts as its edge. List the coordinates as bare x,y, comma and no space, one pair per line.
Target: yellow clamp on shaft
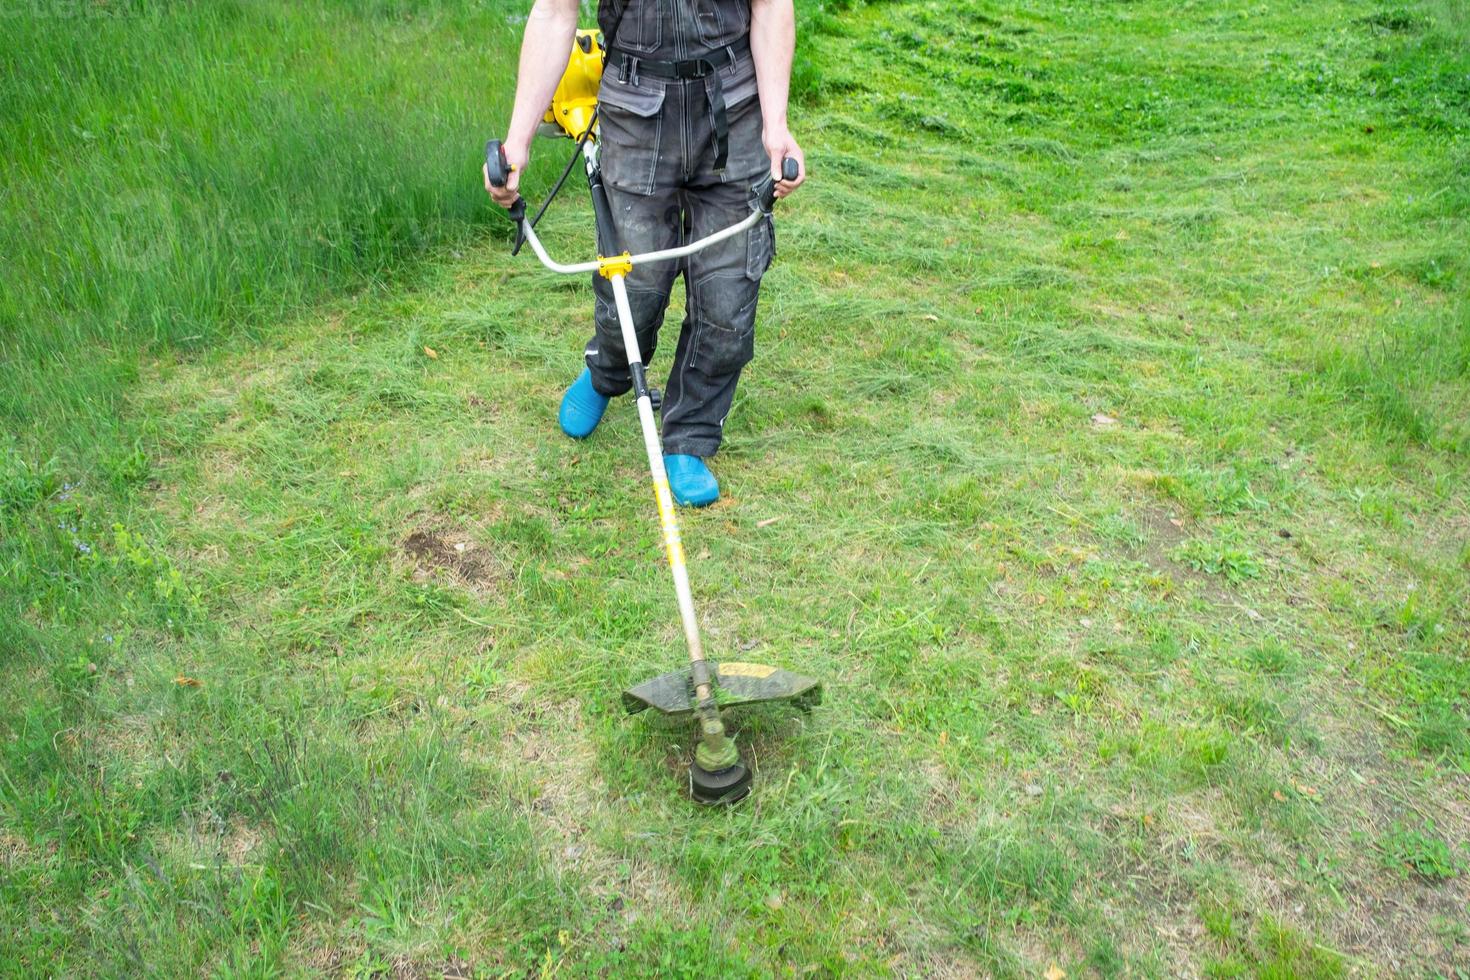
615,265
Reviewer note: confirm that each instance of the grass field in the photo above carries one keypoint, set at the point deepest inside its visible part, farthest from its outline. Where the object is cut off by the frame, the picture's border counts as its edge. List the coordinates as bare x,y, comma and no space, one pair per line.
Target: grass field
1107,451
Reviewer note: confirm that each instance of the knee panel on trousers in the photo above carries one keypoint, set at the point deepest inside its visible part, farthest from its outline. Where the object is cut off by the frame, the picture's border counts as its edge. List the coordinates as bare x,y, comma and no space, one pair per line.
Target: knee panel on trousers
724,323
724,304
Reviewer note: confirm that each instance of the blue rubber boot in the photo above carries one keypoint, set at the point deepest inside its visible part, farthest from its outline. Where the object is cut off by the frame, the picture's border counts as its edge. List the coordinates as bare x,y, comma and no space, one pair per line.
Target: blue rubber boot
692,482
581,407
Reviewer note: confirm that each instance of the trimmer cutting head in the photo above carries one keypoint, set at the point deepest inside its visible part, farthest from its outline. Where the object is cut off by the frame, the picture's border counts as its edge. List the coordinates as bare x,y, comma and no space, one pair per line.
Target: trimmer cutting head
719,788
736,684
716,775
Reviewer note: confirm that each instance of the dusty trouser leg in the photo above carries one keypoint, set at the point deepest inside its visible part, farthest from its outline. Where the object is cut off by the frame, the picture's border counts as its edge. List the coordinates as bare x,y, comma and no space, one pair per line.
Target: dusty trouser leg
718,338
643,222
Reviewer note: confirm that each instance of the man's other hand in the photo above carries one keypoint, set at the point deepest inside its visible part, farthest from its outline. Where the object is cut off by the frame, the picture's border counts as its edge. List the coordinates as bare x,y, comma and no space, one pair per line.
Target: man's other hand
780,144
517,156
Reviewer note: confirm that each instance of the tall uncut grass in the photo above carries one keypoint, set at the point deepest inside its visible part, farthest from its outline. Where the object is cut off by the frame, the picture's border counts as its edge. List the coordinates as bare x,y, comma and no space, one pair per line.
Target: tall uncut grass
176,171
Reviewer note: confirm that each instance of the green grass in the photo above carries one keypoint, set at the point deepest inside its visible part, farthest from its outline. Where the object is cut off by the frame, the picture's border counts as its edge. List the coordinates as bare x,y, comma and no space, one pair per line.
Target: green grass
1422,851
275,153
1107,451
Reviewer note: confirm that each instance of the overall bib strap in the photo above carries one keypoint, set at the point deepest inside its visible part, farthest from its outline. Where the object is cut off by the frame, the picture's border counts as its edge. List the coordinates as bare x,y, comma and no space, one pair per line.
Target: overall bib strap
705,70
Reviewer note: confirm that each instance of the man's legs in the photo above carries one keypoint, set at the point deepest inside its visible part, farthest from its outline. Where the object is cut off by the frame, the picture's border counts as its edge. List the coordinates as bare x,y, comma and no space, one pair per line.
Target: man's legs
718,335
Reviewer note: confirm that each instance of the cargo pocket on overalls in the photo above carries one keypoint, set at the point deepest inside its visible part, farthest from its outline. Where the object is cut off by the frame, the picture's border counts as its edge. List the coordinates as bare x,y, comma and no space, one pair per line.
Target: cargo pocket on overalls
725,305
724,322
630,127
760,248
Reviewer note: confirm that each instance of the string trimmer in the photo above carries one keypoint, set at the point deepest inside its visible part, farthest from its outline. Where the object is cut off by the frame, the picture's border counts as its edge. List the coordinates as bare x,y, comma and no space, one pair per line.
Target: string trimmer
705,687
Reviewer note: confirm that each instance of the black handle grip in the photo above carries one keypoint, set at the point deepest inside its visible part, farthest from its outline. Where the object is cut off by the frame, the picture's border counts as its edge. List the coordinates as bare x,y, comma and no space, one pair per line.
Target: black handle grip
495,163
790,170
498,168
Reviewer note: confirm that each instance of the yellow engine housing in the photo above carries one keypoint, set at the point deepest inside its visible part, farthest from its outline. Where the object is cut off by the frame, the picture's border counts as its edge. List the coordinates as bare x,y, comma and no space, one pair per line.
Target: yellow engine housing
576,94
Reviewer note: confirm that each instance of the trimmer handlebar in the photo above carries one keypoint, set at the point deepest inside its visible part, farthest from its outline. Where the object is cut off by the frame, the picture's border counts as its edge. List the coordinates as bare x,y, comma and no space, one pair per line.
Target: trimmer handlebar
498,170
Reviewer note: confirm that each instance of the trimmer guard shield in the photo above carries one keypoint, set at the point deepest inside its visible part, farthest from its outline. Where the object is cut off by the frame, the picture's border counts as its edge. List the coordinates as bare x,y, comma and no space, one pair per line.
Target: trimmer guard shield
736,684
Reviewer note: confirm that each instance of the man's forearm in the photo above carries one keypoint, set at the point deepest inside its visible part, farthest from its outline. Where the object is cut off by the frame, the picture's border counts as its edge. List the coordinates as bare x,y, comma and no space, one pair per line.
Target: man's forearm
545,50
772,45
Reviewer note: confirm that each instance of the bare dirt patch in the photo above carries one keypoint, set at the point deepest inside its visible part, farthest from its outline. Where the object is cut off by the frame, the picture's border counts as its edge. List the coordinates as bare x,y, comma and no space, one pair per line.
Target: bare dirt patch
1164,532
436,551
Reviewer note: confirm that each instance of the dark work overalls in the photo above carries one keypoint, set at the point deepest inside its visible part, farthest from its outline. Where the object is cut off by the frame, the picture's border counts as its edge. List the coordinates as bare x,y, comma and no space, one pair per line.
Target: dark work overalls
667,183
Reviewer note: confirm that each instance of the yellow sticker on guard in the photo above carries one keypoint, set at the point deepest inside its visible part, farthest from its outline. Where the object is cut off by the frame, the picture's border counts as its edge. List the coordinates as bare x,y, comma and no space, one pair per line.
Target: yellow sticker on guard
738,669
